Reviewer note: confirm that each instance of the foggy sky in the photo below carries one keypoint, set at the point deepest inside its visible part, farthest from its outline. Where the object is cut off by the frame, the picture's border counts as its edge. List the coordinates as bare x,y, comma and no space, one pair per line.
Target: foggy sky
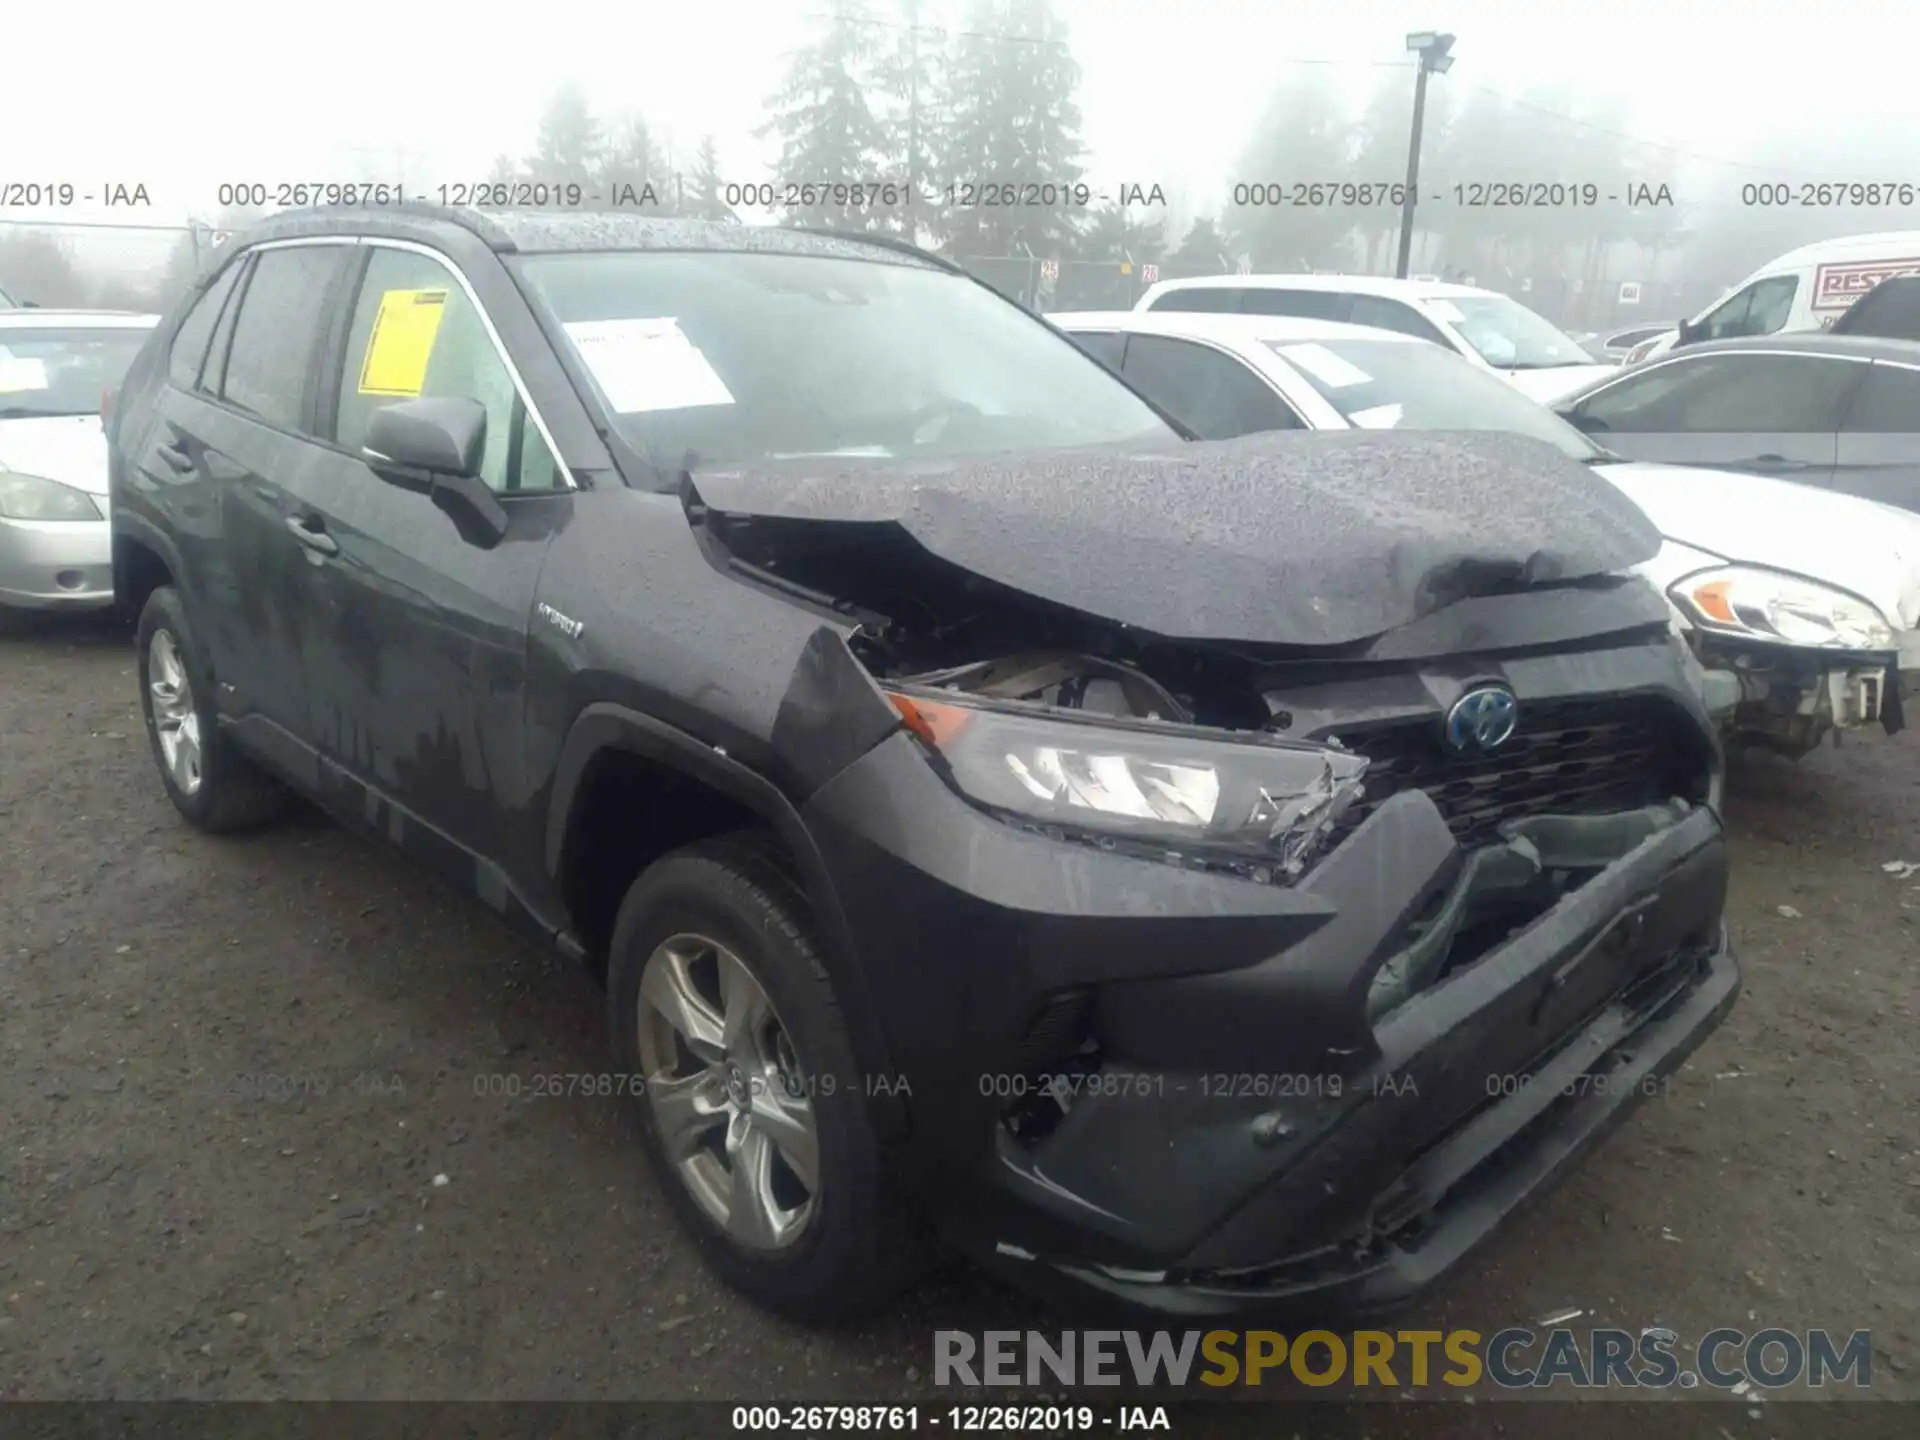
184,96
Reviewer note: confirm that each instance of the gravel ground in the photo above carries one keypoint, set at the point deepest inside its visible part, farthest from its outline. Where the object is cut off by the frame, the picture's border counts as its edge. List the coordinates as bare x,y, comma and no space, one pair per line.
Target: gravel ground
246,1149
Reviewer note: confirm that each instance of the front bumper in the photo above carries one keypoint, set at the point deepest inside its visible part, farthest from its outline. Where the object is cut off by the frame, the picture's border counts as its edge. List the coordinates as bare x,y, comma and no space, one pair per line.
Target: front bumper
1789,698
56,564
1248,1123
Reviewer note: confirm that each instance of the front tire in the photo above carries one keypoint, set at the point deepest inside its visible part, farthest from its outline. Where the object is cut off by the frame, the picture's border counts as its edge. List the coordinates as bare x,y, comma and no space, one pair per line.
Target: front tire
214,786
752,1107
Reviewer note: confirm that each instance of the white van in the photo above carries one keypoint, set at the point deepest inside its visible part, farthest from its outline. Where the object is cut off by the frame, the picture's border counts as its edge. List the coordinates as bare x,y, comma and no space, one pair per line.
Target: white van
1492,330
1805,289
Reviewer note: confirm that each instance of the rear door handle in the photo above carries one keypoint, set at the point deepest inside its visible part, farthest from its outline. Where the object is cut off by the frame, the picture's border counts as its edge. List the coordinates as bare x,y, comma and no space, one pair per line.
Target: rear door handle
316,540
176,457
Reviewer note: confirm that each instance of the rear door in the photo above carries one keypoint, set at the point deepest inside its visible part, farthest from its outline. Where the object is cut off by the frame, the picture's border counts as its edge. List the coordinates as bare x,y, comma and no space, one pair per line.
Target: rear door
230,451
419,673
1772,413
1879,455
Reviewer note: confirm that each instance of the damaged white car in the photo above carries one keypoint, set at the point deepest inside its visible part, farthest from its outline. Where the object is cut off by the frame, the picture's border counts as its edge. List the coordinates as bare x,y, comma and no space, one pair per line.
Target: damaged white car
1803,606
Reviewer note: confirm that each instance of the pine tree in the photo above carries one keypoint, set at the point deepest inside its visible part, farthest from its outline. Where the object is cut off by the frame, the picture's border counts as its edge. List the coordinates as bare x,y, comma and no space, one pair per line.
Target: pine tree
1121,232
829,133
1203,251
910,81
703,199
1301,138
570,145
633,176
1012,121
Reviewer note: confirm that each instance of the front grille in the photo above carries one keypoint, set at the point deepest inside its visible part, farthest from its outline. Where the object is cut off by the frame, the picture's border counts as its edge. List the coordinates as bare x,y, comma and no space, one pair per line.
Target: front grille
1569,757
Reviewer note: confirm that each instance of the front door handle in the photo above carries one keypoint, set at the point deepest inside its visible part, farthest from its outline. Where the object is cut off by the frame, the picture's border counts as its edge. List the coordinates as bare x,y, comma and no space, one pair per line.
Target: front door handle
316,540
176,457
1781,462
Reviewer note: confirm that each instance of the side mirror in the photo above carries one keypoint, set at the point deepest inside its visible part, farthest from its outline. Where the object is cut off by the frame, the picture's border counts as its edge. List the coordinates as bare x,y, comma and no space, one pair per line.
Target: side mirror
1688,334
434,447
434,437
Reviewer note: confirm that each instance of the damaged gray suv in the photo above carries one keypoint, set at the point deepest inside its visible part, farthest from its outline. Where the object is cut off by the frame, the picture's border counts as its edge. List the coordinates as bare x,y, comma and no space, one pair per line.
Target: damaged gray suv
1214,877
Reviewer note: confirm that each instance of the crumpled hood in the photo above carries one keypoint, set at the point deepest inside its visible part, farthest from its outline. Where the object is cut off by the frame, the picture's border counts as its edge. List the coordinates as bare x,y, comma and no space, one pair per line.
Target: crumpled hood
1285,538
1859,545
1546,386
69,448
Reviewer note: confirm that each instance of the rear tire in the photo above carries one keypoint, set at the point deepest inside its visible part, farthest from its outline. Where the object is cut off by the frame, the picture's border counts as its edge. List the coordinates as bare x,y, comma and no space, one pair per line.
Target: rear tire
214,786
694,915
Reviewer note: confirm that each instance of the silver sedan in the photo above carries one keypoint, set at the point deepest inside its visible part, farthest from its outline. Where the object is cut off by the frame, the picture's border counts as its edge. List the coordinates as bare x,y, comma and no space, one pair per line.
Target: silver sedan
56,369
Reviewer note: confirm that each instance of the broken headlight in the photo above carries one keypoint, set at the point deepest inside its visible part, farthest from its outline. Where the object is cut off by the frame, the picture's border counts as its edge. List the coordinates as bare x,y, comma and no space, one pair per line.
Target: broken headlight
1257,804
1767,605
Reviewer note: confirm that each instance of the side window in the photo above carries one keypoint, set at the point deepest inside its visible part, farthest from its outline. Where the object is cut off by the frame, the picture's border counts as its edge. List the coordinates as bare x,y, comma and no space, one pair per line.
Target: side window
1214,395
1106,346
1211,300
1307,304
213,374
415,335
282,315
1887,403
1720,394
1760,309
190,341
1385,314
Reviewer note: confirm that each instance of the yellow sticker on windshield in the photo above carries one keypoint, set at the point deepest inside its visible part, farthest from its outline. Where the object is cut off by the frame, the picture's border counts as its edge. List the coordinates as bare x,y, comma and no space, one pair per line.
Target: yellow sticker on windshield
402,342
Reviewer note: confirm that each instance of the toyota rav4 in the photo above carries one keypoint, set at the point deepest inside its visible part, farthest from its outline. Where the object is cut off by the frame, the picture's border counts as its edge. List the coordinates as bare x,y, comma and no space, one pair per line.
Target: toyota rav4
1210,876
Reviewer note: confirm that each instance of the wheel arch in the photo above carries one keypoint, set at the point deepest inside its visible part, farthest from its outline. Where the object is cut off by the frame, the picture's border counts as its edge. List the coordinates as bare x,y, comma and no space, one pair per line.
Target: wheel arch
605,730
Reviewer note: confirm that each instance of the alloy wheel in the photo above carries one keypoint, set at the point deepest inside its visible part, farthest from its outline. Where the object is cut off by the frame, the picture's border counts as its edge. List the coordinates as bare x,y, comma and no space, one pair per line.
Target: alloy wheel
175,721
733,1107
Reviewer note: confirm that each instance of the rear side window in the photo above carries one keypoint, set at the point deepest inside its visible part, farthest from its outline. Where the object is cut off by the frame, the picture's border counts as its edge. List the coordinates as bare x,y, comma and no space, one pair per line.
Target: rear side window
1200,299
1212,394
283,313
190,341
1396,315
1306,304
1106,346
1888,403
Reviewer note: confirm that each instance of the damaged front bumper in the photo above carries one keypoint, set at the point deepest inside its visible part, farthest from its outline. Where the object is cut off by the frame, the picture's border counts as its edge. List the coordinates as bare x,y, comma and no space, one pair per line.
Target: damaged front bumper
1789,700
1206,1096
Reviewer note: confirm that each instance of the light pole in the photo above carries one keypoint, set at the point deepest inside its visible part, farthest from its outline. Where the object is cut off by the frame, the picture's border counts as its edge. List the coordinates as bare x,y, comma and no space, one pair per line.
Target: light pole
1436,58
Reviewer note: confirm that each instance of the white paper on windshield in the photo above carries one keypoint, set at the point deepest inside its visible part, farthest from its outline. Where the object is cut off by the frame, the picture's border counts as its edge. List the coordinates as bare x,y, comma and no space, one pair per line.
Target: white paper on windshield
1445,310
647,365
18,373
1378,417
1325,366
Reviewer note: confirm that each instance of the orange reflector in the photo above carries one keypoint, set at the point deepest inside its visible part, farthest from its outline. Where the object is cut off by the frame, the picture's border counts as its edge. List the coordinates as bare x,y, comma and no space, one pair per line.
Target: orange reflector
1714,604
932,721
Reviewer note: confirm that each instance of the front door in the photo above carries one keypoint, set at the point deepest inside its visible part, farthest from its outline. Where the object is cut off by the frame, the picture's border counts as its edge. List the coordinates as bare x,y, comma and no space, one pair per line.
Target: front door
419,681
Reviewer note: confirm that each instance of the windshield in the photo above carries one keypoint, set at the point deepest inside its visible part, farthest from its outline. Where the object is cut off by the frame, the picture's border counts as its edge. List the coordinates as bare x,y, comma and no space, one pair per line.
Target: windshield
1506,334
62,371
1405,385
738,357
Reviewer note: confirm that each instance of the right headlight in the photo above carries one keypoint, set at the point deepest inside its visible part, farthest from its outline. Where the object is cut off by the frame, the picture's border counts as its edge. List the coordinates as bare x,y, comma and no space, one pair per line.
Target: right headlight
34,497
1784,609
1258,805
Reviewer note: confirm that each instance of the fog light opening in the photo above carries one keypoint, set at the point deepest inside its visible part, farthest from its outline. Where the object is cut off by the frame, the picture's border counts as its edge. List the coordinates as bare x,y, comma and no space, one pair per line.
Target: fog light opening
70,579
